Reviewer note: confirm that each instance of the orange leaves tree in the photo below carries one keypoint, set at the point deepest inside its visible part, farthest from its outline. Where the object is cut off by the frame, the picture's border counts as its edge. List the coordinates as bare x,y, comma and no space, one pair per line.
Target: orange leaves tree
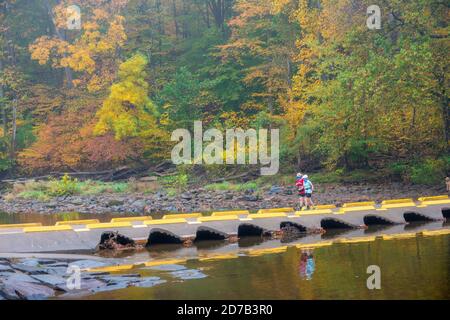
66,142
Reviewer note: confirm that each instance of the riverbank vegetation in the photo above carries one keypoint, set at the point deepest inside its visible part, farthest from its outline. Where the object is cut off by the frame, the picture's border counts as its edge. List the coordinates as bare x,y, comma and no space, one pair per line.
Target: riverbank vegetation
179,182
350,102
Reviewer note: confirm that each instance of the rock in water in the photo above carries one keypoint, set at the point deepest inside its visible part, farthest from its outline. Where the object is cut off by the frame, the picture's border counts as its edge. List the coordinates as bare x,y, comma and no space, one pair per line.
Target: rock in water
85,264
26,290
188,274
50,280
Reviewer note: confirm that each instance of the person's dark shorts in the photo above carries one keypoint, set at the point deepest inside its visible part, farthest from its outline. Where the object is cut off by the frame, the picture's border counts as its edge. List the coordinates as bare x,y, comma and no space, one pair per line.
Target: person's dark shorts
302,194
308,195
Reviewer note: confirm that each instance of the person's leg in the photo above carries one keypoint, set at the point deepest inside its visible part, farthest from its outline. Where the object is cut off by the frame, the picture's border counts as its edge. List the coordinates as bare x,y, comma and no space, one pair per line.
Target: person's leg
308,201
311,203
301,201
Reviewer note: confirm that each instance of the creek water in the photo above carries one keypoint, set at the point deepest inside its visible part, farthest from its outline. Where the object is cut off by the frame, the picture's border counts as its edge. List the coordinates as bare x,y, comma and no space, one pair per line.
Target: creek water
415,268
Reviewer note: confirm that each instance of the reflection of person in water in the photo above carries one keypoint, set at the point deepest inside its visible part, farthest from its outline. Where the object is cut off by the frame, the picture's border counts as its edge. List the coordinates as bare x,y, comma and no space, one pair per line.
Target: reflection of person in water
307,265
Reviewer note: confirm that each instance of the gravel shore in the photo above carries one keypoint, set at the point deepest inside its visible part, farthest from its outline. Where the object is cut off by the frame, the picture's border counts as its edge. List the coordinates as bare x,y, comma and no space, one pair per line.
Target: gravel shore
201,200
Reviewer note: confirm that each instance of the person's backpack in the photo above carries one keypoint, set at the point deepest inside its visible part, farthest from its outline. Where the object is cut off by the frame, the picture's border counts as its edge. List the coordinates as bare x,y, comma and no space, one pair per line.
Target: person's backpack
308,186
300,185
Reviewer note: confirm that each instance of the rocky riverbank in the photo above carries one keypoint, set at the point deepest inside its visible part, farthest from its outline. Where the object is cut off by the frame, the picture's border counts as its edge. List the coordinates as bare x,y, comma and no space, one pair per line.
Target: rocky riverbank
201,200
36,279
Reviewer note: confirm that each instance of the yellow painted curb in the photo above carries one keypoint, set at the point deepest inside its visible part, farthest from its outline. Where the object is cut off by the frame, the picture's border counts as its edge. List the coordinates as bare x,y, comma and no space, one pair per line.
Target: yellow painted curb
163,262
113,268
398,236
108,225
396,201
258,252
141,218
72,222
312,212
219,257
220,218
228,213
324,206
164,221
358,204
314,245
398,205
442,197
436,232
267,215
20,225
275,210
47,228
362,208
355,240
182,215
434,202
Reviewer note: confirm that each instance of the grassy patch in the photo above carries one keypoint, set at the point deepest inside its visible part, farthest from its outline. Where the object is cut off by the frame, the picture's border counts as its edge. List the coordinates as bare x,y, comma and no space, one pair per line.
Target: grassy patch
34,194
228,186
44,190
279,180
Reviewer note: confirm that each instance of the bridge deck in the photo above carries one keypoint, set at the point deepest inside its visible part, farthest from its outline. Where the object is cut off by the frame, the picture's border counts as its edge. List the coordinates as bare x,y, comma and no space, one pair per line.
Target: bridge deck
85,234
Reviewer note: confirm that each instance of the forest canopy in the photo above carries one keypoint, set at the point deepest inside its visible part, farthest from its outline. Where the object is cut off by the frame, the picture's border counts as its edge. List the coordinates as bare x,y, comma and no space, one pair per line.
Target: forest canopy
344,96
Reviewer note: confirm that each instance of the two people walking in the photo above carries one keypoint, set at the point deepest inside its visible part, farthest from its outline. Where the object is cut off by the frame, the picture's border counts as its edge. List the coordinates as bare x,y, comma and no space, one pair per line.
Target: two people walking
305,190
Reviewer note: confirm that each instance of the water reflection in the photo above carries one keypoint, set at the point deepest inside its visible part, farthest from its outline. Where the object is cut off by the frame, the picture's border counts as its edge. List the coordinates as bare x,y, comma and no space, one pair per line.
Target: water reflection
307,264
415,268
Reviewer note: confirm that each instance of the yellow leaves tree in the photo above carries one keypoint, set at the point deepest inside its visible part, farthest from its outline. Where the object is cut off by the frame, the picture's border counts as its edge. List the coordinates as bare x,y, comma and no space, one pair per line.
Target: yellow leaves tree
92,52
128,112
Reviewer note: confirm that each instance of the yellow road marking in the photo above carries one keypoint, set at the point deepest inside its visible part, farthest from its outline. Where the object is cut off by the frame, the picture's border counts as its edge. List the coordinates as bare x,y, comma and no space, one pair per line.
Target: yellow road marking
436,232
219,257
358,204
312,212
72,222
442,197
396,201
275,210
164,221
108,225
228,213
20,225
220,218
266,215
112,268
182,215
163,262
126,219
47,228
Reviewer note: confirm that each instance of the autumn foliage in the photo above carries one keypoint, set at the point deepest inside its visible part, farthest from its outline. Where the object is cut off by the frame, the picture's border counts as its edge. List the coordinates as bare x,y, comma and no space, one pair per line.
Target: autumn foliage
344,97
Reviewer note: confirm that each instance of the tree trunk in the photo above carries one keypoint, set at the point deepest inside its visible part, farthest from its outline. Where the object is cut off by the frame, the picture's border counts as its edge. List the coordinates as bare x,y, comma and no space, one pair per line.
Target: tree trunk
218,9
445,113
4,120
12,152
60,35
174,11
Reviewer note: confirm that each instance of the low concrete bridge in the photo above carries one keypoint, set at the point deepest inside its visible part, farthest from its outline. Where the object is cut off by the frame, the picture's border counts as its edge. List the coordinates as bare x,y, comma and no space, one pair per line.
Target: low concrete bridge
85,235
